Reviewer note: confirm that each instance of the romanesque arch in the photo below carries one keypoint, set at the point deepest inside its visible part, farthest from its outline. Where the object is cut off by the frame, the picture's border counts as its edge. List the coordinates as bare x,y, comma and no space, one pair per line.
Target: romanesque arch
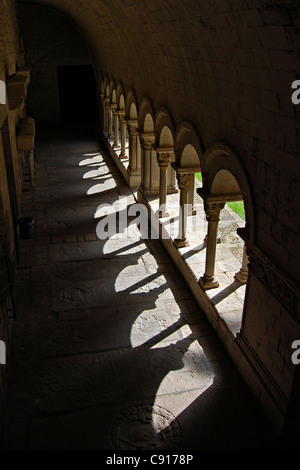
164,145
188,153
224,173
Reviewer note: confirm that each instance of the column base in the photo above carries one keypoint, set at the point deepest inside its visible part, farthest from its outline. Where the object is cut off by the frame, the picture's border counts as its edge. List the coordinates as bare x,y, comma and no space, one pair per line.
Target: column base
192,212
148,190
172,190
181,242
116,146
162,214
123,157
208,283
135,172
241,277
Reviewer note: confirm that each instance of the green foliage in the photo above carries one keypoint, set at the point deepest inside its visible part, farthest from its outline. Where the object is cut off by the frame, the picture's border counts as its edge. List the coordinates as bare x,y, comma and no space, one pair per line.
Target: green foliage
238,208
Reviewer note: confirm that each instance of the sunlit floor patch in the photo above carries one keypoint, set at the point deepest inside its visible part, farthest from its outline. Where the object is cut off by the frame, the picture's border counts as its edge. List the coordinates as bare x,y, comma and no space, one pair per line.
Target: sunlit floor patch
101,187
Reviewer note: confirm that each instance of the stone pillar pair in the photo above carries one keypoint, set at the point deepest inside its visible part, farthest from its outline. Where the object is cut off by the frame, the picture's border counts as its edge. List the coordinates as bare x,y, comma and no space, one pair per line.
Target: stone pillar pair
115,117
123,123
105,104
163,156
134,167
149,168
212,211
207,281
110,108
157,175
186,185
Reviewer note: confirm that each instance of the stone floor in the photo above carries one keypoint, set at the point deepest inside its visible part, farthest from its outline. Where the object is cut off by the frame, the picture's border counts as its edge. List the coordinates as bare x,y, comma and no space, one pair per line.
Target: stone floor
228,297
110,350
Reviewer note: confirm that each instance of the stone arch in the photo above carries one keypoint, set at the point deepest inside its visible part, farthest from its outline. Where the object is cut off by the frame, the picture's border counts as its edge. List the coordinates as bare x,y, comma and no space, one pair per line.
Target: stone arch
114,96
146,116
149,165
101,84
188,148
224,173
112,91
134,150
164,128
120,97
131,107
164,132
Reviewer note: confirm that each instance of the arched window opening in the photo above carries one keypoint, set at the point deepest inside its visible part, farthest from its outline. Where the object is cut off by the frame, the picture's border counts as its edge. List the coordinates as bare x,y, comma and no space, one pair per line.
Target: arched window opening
226,261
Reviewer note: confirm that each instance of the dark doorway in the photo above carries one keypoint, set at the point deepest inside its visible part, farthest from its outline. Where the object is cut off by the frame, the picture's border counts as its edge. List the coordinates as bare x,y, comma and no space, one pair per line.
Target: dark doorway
77,94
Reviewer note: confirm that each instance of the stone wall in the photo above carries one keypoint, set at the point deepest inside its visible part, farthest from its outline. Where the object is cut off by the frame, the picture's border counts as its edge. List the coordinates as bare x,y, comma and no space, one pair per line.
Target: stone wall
10,60
9,38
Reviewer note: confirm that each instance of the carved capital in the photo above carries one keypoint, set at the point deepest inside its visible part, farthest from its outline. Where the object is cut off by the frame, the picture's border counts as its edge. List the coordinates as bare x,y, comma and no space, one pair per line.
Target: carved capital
212,211
163,159
131,129
146,141
185,180
122,118
146,146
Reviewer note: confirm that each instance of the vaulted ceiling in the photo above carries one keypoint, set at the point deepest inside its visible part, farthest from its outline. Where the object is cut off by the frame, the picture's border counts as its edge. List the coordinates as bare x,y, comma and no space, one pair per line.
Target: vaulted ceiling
214,45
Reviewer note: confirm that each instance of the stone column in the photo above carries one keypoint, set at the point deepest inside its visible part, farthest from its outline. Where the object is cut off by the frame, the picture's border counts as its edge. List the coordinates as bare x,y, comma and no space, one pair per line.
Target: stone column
105,115
102,96
184,184
138,155
242,275
116,126
171,176
147,140
163,160
123,135
133,136
192,210
110,121
212,211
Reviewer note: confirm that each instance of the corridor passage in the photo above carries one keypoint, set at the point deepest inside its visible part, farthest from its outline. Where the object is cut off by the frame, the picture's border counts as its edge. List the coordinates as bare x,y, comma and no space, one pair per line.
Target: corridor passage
110,350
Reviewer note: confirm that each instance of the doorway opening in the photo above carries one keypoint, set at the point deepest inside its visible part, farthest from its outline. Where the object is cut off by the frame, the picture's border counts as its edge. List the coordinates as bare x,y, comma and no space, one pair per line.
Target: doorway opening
77,94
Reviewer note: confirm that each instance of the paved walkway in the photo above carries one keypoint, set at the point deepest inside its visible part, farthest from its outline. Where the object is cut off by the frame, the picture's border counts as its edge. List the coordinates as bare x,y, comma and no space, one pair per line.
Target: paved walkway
110,350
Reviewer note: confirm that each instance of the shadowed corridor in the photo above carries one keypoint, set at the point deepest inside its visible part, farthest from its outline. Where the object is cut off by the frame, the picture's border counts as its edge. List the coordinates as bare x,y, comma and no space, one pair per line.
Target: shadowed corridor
110,350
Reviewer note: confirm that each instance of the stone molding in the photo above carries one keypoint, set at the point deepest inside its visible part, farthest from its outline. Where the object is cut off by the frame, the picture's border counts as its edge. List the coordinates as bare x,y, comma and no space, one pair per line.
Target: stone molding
283,289
273,389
